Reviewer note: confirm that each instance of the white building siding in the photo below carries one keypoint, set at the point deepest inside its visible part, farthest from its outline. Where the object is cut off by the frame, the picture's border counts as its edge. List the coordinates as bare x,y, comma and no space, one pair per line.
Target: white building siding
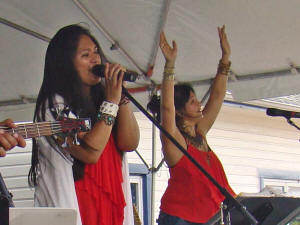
14,169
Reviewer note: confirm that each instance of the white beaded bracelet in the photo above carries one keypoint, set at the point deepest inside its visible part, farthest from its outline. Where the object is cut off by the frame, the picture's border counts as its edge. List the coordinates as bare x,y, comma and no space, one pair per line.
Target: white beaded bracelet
109,108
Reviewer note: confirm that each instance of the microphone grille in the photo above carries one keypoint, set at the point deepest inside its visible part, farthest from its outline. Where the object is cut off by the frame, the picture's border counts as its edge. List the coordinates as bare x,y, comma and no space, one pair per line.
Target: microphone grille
98,70
272,112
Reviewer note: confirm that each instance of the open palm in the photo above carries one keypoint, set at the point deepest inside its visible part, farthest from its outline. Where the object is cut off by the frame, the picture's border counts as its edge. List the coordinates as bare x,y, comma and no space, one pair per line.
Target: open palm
169,52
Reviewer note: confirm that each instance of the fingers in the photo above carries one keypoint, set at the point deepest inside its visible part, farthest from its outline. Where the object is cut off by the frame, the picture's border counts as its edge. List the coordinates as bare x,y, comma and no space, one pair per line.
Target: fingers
221,31
7,141
21,141
114,73
174,45
225,46
120,79
169,52
8,123
113,82
2,152
163,43
162,39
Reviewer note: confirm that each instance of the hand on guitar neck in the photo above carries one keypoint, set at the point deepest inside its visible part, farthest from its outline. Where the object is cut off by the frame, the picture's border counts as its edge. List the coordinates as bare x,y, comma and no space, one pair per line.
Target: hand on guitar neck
7,140
12,134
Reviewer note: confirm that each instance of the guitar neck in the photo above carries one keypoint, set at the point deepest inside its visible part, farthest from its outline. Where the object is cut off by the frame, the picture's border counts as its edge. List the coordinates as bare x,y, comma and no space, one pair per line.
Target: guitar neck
38,129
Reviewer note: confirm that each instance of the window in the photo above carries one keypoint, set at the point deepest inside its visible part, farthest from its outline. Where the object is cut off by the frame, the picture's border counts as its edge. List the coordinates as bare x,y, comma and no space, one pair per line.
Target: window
140,182
136,185
281,182
287,187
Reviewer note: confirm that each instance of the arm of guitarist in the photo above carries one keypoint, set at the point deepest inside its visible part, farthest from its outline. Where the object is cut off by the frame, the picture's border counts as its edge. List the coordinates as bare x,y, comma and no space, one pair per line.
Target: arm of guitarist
8,141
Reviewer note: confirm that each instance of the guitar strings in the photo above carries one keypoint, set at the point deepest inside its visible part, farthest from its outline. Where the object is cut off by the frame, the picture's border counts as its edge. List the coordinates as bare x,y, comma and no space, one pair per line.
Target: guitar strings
29,130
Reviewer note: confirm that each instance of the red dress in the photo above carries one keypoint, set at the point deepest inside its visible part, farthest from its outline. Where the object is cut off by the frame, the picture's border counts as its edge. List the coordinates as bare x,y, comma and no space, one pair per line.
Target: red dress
100,194
190,195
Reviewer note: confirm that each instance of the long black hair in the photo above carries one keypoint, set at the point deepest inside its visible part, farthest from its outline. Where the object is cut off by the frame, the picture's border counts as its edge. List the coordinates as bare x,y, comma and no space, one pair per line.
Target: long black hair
182,94
61,77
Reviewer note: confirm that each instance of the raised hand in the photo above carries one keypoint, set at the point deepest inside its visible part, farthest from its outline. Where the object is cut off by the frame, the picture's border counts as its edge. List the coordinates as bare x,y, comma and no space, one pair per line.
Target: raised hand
169,52
225,47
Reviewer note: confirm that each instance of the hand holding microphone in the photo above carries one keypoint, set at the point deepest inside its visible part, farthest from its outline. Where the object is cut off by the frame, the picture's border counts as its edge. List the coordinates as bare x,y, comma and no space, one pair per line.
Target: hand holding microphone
99,70
114,76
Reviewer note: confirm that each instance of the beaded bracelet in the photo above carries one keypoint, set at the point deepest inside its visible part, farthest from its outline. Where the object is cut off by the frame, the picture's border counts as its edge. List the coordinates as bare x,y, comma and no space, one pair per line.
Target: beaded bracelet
124,100
107,118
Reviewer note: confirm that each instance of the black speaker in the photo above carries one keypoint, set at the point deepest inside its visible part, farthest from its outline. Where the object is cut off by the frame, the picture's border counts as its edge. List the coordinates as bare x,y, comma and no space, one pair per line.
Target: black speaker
266,210
5,202
4,210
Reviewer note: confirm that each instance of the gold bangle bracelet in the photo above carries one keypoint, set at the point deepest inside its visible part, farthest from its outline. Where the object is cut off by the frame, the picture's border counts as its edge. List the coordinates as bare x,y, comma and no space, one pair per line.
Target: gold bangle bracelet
169,70
169,76
169,73
223,68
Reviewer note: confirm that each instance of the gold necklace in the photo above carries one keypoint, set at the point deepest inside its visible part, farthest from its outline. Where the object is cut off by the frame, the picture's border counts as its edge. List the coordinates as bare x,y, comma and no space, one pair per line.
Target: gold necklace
196,141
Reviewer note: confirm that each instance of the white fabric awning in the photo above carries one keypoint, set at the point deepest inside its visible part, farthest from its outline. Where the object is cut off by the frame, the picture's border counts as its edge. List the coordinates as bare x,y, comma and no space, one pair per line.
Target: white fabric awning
264,37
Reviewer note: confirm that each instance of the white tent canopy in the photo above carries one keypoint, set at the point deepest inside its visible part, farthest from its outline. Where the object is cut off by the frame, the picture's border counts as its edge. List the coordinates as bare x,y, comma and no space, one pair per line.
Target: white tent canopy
264,37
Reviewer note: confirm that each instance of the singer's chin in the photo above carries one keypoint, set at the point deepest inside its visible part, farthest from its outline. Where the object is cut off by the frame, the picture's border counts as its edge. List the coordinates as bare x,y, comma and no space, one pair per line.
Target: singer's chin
95,80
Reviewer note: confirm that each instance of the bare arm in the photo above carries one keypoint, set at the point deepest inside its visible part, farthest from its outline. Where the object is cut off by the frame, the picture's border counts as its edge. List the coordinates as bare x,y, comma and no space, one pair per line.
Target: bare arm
127,133
218,89
86,152
171,154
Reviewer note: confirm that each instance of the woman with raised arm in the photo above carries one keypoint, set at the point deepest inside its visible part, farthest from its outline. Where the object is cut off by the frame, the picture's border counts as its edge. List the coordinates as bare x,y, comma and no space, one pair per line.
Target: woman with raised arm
71,89
190,197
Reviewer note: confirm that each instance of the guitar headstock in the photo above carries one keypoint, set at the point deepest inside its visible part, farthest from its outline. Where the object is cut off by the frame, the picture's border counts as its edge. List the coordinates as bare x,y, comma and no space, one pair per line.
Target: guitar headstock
71,126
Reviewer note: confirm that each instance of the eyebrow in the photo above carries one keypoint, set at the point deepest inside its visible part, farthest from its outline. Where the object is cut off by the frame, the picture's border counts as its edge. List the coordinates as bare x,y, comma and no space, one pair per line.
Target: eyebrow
88,49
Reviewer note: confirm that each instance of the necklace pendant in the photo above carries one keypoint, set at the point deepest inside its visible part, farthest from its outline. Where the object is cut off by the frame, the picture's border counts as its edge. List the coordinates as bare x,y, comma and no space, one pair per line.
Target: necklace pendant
208,158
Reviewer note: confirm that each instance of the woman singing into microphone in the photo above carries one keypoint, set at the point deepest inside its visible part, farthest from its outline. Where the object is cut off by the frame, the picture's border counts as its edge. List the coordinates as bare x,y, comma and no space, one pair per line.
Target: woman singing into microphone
71,88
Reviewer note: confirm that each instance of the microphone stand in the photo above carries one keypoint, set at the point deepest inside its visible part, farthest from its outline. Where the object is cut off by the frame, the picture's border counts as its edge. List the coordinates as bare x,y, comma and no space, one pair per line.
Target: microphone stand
231,202
288,119
292,123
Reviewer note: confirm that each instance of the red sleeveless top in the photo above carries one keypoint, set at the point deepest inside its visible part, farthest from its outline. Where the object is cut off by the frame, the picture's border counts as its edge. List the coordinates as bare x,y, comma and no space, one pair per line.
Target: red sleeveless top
100,194
190,195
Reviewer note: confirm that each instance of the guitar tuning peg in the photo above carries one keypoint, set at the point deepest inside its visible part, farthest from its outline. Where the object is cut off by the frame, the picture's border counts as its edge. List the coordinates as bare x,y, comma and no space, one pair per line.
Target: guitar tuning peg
65,144
56,112
66,110
75,141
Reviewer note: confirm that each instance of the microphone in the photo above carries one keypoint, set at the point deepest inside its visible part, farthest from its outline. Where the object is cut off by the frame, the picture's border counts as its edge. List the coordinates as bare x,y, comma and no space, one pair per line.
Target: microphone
284,113
98,70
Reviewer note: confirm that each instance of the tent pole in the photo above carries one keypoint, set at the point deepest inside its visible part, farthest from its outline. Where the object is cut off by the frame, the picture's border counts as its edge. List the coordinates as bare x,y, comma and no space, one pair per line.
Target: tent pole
24,30
163,20
154,132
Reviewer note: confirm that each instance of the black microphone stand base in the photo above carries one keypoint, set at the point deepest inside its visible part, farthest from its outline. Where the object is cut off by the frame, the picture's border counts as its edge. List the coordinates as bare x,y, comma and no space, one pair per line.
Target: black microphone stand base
4,211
